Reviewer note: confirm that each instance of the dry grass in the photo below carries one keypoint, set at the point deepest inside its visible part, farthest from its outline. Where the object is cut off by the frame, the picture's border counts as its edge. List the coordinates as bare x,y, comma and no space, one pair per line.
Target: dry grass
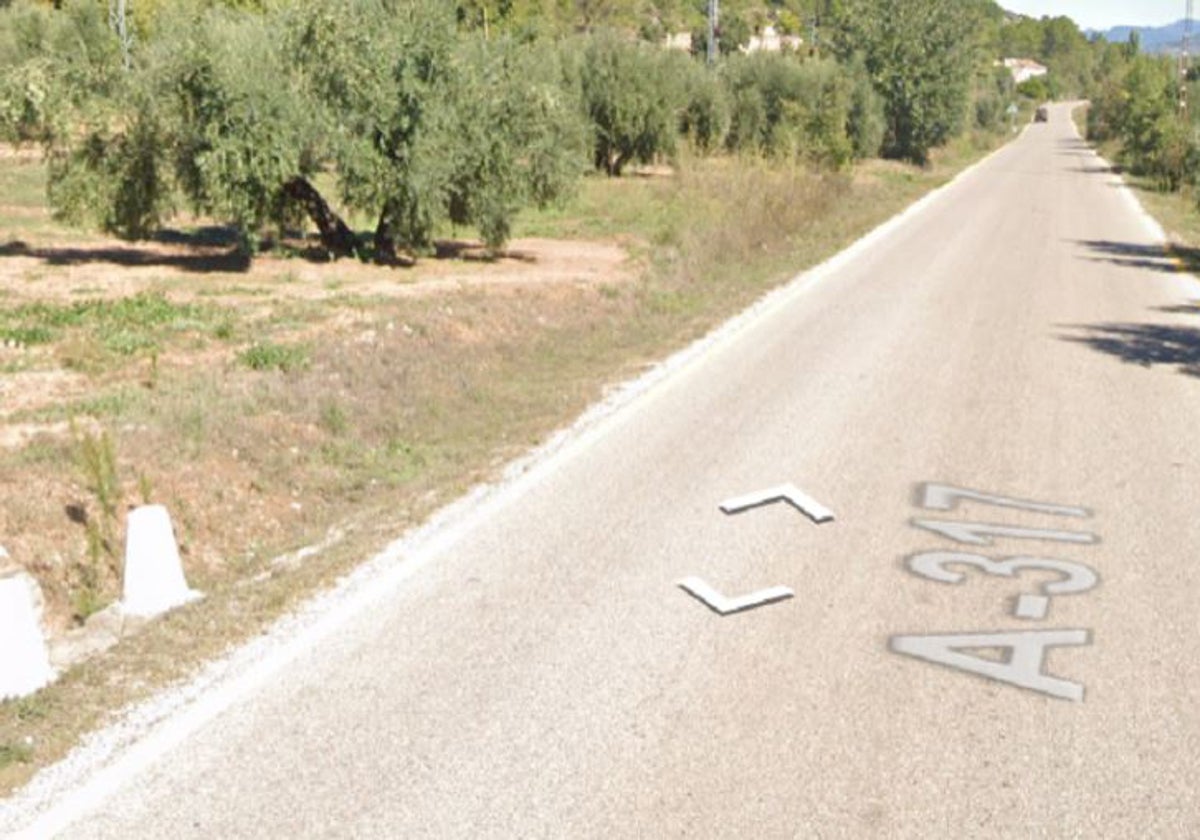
267,409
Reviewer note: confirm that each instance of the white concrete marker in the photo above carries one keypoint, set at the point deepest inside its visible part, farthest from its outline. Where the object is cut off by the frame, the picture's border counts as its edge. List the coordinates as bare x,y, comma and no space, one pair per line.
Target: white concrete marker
805,503
24,658
154,581
719,603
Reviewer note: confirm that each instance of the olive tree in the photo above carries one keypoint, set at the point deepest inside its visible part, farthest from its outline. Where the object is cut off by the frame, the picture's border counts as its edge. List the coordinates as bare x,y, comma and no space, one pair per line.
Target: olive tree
633,94
241,113
921,56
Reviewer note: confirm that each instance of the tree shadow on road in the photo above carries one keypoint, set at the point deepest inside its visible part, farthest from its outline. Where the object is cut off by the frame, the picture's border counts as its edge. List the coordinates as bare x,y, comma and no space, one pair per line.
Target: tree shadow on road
1073,143
1096,169
1192,307
1168,259
1146,345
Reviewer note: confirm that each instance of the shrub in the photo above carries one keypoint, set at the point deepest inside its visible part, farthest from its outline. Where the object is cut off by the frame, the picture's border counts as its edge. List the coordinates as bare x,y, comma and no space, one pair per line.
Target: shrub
271,356
705,118
790,108
633,95
920,55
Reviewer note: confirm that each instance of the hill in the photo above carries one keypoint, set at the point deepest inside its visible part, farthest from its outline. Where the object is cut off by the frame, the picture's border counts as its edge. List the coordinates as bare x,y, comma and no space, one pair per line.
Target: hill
1155,39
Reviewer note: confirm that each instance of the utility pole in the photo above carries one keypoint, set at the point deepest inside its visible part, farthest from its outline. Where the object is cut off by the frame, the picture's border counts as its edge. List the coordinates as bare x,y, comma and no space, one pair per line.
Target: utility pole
1185,59
119,22
713,22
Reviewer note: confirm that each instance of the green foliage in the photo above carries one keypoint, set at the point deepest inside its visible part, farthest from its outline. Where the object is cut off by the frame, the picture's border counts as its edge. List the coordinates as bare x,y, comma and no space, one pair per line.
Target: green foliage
865,123
427,114
235,121
515,137
1137,105
102,329
633,95
234,111
24,91
1037,89
994,93
793,109
382,80
1055,42
52,62
115,179
268,355
98,467
706,113
921,56
14,754
734,31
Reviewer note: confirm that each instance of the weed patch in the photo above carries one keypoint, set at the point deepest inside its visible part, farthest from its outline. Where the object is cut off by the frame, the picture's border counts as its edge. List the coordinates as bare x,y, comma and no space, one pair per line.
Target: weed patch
100,564
95,334
14,754
267,355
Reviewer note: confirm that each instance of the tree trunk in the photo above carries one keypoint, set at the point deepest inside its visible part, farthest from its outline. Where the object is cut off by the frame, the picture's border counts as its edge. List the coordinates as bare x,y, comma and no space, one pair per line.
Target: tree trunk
336,235
385,243
385,240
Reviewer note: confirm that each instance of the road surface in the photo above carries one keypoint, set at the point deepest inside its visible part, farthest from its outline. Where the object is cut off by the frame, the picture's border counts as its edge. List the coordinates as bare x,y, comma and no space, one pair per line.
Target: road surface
1022,337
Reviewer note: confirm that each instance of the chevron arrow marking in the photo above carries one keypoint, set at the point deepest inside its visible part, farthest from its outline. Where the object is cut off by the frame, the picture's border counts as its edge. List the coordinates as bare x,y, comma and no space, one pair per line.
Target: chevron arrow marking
803,502
723,605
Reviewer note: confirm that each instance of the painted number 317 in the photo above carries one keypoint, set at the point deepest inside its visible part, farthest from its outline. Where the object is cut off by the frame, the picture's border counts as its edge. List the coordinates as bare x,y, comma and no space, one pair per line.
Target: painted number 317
1024,662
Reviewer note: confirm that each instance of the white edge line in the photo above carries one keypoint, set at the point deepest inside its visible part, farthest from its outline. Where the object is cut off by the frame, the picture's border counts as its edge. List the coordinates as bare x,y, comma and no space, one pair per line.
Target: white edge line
107,759
1153,229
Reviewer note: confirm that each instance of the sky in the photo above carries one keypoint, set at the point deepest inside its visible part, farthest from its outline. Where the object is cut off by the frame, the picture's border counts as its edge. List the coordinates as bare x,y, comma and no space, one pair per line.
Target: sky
1104,14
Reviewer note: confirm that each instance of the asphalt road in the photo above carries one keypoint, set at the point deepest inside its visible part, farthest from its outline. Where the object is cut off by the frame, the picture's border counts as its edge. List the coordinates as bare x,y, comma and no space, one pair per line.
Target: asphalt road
545,676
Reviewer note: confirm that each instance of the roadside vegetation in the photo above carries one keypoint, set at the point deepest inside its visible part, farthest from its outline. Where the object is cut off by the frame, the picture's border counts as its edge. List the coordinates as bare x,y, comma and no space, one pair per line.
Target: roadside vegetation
304,272
1144,116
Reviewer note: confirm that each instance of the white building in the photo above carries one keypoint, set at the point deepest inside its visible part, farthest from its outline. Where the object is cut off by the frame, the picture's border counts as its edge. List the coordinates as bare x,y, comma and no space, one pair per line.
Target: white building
1024,69
678,41
771,41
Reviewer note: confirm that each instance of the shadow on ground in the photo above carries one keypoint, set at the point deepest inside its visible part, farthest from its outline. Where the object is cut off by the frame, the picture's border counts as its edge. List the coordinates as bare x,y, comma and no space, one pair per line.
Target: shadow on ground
1096,169
212,250
1168,259
208,260
1146,345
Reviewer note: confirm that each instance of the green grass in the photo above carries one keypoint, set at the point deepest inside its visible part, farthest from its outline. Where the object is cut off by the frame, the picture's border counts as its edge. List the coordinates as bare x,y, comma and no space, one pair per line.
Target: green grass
23,184
602,207
14,754
96,335
124,324
267,355
23,193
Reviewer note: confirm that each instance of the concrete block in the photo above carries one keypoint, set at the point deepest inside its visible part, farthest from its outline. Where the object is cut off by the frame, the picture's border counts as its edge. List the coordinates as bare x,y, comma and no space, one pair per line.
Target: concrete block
154,581
24,657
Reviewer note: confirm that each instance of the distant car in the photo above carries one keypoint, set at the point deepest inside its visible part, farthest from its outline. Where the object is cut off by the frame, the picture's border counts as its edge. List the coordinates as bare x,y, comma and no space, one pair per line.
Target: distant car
1042,114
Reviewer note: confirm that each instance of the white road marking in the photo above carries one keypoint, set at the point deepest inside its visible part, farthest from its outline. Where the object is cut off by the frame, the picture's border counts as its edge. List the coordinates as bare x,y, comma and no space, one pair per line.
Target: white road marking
803,502
724,605
945,497
1022,667
1032,606
977,533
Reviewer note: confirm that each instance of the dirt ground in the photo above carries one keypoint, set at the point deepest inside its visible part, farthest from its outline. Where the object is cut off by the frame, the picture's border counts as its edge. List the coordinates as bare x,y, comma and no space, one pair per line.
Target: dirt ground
240,491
